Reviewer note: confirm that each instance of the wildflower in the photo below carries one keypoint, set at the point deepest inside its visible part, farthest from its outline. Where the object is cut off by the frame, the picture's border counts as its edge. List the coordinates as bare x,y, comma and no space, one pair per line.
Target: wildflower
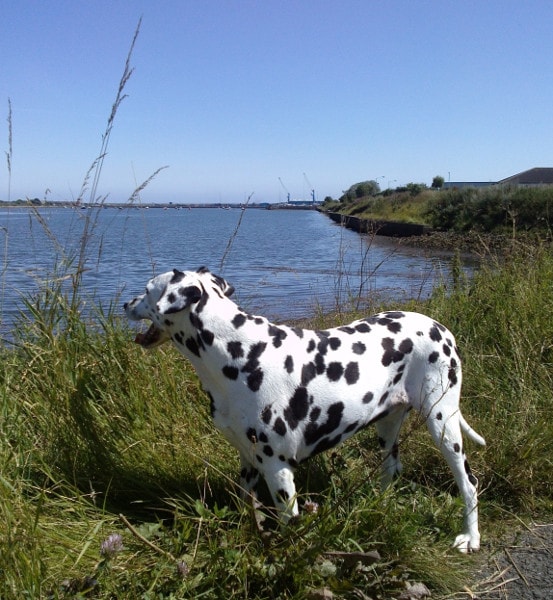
311,507
112,545
182,569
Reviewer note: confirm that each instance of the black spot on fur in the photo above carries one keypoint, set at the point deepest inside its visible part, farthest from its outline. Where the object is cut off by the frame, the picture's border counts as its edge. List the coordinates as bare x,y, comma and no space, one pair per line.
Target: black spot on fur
263,437
322,346
326,444
178,338
195,321
235,349
398,377
266,415
230,372
390,353
363,328
351,427
471,477
207,337
433,357
277,334
406,346
239,320
368,397
446,349
315,413
334,371
395,314
311,346
335,343
308,373
439,416
358,348
251,434
381,415
351,373
320,366
289,364
253,356
434,333
193,346
313,432
297,407
255,379
456,447
177,276
268,451
383,398
347,329
279,426
452,373
298,332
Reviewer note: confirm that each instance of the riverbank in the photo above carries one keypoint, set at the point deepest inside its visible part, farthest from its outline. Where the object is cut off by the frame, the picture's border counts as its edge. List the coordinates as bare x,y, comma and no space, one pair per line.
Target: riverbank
419,235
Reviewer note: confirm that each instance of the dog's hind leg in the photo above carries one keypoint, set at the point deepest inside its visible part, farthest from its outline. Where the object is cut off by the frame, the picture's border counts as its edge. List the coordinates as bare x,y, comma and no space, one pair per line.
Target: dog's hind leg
446,432
388,429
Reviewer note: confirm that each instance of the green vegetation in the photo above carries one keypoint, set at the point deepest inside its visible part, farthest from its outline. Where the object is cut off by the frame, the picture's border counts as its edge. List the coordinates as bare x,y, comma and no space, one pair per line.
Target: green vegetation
491,209
93,428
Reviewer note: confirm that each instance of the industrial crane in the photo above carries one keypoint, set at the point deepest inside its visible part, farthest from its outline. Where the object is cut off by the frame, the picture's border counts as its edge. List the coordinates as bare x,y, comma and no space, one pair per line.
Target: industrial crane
311,188
286,190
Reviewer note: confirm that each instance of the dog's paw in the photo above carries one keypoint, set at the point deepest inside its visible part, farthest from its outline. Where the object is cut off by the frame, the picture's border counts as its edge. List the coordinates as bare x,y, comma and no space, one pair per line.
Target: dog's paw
466,543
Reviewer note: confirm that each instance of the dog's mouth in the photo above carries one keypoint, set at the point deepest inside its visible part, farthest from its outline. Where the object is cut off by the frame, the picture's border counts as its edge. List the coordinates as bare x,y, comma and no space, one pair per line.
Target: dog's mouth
151,338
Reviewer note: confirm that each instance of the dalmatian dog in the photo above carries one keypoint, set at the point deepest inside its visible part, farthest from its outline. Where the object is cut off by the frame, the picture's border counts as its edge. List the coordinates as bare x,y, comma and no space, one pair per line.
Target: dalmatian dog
282,394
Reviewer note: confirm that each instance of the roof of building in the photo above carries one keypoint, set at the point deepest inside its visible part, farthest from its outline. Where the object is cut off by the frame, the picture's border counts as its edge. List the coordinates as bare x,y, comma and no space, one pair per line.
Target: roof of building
536,176
464,184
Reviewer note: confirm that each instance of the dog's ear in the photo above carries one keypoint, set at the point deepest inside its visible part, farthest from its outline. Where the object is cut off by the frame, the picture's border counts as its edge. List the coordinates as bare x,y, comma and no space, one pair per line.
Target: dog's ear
227,288
176,298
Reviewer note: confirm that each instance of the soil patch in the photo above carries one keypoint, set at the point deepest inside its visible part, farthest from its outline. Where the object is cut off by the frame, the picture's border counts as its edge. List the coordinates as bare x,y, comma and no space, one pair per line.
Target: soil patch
520,568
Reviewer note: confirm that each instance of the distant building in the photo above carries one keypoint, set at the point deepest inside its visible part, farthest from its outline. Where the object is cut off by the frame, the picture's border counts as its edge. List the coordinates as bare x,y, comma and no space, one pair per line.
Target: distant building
531,178
451,185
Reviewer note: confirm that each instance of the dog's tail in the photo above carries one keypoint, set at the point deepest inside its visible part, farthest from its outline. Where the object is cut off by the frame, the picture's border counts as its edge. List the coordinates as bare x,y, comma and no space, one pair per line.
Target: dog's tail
471,433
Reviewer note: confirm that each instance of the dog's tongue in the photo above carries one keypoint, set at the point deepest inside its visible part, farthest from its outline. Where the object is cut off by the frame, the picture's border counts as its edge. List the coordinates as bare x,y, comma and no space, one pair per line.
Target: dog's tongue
140,338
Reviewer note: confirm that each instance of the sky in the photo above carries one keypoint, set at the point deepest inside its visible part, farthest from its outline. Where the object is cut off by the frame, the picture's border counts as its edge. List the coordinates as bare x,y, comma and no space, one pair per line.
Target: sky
237,97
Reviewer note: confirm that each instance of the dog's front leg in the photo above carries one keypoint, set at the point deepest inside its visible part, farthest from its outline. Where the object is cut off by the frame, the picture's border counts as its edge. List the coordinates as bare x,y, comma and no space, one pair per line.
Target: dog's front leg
280,481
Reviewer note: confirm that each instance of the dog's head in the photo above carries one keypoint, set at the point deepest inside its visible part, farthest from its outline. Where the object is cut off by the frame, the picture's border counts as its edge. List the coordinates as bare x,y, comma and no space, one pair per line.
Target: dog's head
171,293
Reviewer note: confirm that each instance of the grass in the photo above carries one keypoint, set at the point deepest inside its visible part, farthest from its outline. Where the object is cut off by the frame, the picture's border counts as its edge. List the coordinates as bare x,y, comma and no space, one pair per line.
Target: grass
93,428
397,206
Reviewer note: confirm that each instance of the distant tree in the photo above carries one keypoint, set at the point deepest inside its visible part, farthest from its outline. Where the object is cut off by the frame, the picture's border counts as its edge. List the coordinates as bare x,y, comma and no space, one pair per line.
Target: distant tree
438,182
360,190
415,188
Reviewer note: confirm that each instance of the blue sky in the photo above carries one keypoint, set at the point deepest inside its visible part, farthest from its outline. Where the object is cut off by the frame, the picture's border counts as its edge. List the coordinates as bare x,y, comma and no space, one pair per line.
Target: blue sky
233,95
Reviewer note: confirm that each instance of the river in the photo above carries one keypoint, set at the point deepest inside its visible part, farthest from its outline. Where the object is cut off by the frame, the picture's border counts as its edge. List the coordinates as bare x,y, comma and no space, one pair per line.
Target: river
283,264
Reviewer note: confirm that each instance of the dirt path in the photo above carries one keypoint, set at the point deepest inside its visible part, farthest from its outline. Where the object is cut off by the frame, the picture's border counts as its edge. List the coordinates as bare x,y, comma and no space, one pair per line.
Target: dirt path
519,569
